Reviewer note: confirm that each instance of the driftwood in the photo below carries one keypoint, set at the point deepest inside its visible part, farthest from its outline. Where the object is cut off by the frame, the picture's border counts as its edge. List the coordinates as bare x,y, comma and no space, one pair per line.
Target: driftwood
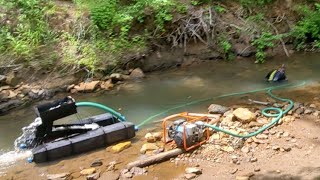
155,159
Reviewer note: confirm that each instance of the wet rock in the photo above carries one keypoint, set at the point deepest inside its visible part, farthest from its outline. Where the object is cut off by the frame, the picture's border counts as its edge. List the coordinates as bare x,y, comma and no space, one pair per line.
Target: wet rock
137,73
106,85
121,146
217,109
96,163
94,176
138,171
6,106
61,176
88,171
299,111
118,77
87,86
193,170
244,115
190,176
148,147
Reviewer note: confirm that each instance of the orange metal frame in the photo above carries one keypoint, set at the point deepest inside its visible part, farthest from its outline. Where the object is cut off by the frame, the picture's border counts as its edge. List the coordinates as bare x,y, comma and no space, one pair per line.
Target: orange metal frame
189,118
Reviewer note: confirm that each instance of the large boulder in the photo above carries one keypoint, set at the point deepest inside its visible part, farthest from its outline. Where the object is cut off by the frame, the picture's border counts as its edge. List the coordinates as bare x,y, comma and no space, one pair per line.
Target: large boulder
217,109
244,115
137,73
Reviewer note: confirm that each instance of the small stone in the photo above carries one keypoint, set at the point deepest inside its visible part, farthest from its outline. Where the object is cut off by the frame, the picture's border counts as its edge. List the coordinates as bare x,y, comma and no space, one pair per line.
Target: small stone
242,177
293,140
285,134
245,149
190,176
244,115
308,111
138,171
137,73
96,163
233,171
121,146
287,149
88,171
256,169
148,147
253,159
276,148
278,171
273,132
194,170
61,176
313,106
150,138
94,176
262,136
217,109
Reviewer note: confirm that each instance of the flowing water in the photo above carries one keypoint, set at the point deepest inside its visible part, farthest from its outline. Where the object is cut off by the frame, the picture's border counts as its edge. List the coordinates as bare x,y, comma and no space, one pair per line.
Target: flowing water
167,89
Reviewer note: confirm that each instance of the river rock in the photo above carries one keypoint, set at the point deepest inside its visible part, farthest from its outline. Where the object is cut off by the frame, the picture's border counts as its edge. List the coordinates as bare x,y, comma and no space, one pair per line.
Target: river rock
313,106
61,176
87,86
106,85
96,163
118,77
244,50
190,176
6,106
193,170
70,87
94,176
217,109
121,146
308,111
138,171
150,138
299,111
88,171
11,79
148,147
137,73
157,135
244,115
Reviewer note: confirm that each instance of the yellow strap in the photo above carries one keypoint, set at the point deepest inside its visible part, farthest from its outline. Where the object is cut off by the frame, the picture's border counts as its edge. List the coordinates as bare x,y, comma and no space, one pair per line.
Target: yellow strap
272,75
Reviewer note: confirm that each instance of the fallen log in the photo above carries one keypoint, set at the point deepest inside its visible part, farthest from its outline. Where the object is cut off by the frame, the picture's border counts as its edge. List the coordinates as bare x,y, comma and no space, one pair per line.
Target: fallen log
155,158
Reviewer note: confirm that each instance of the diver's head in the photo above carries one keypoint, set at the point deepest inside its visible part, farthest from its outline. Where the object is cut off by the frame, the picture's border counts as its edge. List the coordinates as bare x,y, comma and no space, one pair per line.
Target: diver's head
282,68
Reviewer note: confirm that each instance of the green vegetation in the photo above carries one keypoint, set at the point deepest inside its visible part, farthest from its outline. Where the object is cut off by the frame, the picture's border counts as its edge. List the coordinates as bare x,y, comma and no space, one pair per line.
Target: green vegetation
307,30
254,3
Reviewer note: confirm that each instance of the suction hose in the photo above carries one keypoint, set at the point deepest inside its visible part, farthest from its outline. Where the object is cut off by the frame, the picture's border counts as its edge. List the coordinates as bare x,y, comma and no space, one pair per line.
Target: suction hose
103,107
266,112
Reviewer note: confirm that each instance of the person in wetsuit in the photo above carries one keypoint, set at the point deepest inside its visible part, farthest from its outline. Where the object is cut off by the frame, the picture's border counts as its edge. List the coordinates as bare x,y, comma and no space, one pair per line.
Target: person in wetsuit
277,75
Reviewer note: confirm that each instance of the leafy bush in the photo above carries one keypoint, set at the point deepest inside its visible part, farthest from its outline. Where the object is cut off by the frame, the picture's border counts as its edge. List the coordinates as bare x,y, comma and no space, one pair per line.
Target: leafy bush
253,3
307,30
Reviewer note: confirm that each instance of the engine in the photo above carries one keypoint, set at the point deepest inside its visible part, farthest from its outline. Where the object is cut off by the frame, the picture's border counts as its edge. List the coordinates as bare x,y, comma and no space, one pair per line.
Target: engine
193,132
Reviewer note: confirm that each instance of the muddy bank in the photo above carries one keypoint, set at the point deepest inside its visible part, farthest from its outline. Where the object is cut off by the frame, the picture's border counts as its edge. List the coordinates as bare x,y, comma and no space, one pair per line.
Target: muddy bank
288,150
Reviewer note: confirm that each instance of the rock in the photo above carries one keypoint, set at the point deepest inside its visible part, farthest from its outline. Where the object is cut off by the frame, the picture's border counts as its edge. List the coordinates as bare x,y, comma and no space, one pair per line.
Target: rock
3,79
276,148
245,149
110,176
6,106
118,77
233,171
157,135
287,149
258,141
194,170
217,109
255,124
244,50
253,159
242,177
137,73
313,106
244,115
121,146
148,147
308,111
256,169
138,171
150,138
11,79
262,136
190,176
61,176
106,85
125,173
316,113
94,176
70,87
88,171
87,86
96,163
227,149
288,119
299,111
285,134
262,120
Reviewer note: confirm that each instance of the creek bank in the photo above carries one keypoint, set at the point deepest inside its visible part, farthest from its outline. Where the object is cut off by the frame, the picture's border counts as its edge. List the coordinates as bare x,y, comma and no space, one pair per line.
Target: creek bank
13,96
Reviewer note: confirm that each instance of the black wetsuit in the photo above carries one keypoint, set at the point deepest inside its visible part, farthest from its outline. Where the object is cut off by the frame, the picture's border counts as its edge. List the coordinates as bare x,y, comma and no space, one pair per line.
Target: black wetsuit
277,76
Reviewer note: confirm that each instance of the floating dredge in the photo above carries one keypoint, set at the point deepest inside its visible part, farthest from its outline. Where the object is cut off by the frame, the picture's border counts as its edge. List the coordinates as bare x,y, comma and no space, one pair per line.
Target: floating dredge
51,141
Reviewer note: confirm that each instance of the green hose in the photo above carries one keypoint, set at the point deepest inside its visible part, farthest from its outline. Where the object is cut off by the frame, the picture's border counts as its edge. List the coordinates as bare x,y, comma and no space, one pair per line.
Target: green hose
103,107
291,85
279,113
